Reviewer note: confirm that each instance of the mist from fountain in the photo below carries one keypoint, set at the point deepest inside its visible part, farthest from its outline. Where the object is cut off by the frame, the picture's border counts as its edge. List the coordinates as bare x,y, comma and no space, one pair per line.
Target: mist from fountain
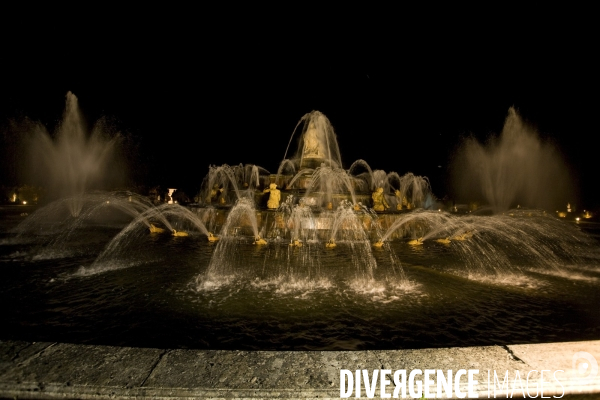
74,160
515,168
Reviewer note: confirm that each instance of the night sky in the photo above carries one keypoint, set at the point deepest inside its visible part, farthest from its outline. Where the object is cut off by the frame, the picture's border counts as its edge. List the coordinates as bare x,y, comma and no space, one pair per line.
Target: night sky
193,90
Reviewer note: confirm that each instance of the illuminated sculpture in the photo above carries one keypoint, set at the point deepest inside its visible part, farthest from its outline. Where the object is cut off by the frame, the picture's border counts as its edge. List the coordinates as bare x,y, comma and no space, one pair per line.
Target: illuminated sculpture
379,202
154,229
401,201
214,193
274,196
259,240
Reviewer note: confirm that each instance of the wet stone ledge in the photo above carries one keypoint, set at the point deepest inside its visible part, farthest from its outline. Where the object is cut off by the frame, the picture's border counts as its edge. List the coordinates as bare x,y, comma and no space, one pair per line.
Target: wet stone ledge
61,370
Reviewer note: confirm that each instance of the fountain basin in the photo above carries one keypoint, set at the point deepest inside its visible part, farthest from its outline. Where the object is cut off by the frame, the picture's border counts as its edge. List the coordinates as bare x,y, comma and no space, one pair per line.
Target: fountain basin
282,297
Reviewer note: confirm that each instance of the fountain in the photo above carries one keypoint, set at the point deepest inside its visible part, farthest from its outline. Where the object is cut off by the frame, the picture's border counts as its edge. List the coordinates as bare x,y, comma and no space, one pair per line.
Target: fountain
516,168
74,161
301,259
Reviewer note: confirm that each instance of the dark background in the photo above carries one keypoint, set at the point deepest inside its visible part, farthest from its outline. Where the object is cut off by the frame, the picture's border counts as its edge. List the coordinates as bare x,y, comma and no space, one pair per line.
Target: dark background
190,88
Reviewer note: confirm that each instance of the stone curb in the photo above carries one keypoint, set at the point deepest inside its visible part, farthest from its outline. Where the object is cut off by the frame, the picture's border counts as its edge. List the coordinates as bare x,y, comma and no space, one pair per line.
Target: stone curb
70,371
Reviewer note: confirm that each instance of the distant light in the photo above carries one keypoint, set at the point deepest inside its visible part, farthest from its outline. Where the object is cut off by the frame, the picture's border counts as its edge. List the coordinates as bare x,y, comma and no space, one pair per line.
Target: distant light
24,202
577,219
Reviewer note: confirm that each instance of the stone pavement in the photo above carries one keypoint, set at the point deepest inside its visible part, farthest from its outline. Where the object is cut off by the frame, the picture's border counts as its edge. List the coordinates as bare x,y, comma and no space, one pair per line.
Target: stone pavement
71,371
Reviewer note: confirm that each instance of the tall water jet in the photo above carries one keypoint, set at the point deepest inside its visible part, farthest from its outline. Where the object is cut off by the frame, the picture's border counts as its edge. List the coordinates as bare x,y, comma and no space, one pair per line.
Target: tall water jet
73,160
517,168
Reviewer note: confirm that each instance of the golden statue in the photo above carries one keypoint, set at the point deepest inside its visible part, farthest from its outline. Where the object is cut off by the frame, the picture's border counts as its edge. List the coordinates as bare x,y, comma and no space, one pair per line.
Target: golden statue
260,241
379,202
154,229
214,194
296,243
311,143
463,236
402,202
416,242
212,238
274,196
179,233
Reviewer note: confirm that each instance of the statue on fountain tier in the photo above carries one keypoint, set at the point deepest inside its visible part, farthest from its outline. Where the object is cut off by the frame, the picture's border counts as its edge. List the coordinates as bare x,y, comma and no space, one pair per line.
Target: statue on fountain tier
214,194
379,202
311,143
401,201
274,196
